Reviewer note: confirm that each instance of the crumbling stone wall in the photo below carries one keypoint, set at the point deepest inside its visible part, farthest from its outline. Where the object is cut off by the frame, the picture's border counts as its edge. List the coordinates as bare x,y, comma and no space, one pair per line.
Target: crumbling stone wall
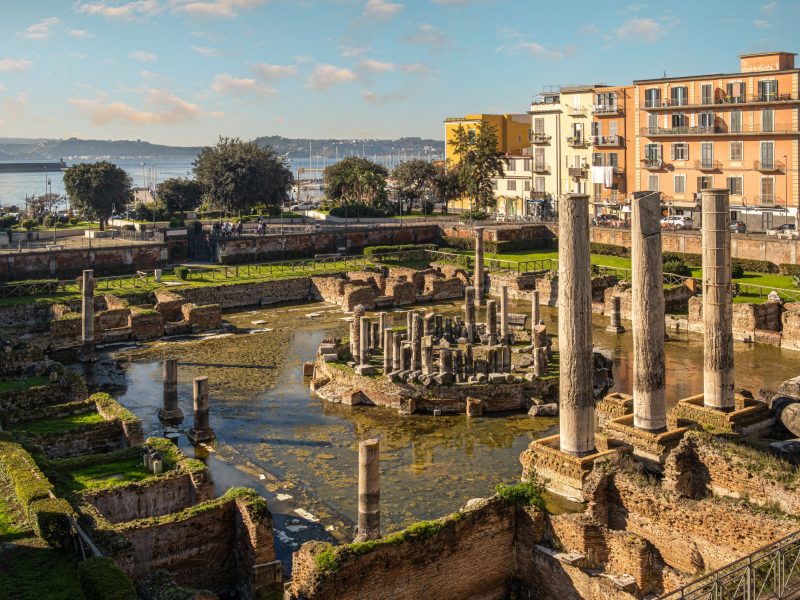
329,288
520,285
358,292
750,321
251,294
790,335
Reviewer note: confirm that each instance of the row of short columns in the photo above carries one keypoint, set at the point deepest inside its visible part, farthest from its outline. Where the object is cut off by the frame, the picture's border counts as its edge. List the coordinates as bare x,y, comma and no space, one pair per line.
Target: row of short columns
170,412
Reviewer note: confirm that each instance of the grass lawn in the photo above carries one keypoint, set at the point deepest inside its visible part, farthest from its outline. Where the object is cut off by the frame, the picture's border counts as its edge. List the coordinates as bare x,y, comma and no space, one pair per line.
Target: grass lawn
9,527
24,383
102,476
58,424
32,572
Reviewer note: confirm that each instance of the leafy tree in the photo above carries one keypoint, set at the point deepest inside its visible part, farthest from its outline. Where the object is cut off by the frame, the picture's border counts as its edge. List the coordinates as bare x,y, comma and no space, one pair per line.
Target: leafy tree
356,179
446,184
97,189
237,175
179,194
479,163
414,181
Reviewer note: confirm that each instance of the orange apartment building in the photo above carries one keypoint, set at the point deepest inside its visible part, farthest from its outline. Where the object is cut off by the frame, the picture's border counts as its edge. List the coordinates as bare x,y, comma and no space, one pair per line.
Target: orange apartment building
736,130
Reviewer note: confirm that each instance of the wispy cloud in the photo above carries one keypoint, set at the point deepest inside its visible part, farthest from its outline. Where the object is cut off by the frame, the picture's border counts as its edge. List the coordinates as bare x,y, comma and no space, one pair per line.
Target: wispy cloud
269,73
427,34
162,108
206,51
375,98
125,10
376,66
79,33
14,64
41,30
352,51
769,8
761,24
225,9
517,43
645,29
227,84
382,9
14,106
326,76
635,8
142,56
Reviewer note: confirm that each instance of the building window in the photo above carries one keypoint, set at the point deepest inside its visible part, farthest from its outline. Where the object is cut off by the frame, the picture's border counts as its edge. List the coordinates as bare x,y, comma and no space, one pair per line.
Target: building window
680,120
736,121
706,94
652,122
652,151
767,155
767,120
680,184
538,184
706,120
538,125
527,186
652,183
680,151
511,185
679,96
613,130
652,97
704,183
612,159
511,165
707,154
735,92
526,164
735,185
597,159
768,90
767,190
737,152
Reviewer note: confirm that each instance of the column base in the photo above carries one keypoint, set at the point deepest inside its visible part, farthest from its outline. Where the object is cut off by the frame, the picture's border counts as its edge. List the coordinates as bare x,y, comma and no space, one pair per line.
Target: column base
563,473
612,406
197,436
170,417
615,329
650,448
748,416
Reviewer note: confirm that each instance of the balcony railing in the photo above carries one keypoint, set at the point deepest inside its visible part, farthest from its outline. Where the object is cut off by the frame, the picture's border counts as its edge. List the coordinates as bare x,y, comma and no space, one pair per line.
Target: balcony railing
540,167
707,165
772,166
607,140
539,138
767,200
718,129
577,141
576,111
724,100
606,109
653,163
539,195
577,172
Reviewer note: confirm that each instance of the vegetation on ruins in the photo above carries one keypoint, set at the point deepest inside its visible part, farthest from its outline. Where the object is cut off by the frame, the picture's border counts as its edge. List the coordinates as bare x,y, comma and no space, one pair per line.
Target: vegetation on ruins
21,383
237,175
97,189
413,183
113,408
180,194
479,163
102,579
524,493
57,424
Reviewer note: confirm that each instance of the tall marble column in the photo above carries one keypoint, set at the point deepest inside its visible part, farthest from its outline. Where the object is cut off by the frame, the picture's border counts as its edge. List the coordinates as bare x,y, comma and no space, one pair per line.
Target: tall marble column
369,491
479,275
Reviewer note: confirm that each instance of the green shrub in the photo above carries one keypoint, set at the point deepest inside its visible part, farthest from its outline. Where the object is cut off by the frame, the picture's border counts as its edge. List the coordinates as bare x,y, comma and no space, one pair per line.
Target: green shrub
49,519
468,243
176,222
352,210
28,224
74,221
181,273
21,470
756,266
102,579
690,260
112,408
379,250
609,249
737,271
677,268
474,215
525,493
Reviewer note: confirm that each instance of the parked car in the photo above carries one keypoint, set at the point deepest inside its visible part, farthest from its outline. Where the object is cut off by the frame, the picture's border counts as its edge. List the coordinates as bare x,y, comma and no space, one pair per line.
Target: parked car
607,221
304,206
738,227
786,228
677,222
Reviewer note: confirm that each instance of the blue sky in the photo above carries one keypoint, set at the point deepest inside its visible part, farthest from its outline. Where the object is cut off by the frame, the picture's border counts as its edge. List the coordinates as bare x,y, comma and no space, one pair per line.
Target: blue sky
186,71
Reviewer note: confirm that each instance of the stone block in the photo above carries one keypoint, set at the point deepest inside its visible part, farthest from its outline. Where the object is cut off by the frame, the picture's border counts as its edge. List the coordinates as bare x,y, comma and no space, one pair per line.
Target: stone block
474,407
544,410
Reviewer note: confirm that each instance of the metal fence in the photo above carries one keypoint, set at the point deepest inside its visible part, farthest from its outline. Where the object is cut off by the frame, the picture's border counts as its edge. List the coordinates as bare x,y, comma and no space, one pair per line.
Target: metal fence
773,573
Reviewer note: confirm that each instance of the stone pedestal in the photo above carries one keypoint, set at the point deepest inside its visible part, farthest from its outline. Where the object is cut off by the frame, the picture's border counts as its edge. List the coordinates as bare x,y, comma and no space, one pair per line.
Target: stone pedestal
87,315
369,491
615,318
650,447
747,417
170,413
445,366
201,431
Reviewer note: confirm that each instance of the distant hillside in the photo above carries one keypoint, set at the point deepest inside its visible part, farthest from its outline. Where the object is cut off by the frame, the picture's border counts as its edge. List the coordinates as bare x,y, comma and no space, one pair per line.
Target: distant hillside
75,149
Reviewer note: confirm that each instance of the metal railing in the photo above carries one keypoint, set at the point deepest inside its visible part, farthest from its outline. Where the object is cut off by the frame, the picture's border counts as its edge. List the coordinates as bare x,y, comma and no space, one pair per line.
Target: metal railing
718,129
772,572
539,138
707,165
774,165
607,140
723,100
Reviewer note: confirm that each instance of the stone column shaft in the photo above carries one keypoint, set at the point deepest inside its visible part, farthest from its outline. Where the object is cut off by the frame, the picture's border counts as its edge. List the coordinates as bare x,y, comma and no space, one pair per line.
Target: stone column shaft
536,314
427,355
416,342
647,312
388,349
718,382
576,401
409,319
200,431
369,491
397,352
491,321
615,318
170,410
363,355
381,328
87,312
469,312
504,315
479,276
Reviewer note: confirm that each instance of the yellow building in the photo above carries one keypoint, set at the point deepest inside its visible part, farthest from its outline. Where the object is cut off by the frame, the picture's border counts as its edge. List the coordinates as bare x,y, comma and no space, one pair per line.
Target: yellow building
513,134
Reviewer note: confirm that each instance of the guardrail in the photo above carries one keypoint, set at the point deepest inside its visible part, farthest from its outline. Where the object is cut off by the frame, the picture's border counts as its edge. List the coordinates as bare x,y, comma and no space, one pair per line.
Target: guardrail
772,572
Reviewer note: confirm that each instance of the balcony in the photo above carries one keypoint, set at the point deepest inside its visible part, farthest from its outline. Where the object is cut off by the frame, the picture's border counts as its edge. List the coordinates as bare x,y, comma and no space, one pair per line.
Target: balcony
576,111
607,140
578,172
725,100
772,166
654,164
707,165
606,109
539,195
539,138
577,141
540,167
766,200
717,129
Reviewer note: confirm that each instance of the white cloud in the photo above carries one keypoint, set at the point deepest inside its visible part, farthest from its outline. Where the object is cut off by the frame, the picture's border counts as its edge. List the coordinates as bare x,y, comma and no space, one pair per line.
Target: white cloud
644,29
452,1
535,48
352,51
14,64
376,66
635,8
41,30
206,51
326,76
125,10
163,108
142,56
382,9
227,84
267,72
761,24
374,98
416,68
427,34
79,33
302,58
224,9
769,8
